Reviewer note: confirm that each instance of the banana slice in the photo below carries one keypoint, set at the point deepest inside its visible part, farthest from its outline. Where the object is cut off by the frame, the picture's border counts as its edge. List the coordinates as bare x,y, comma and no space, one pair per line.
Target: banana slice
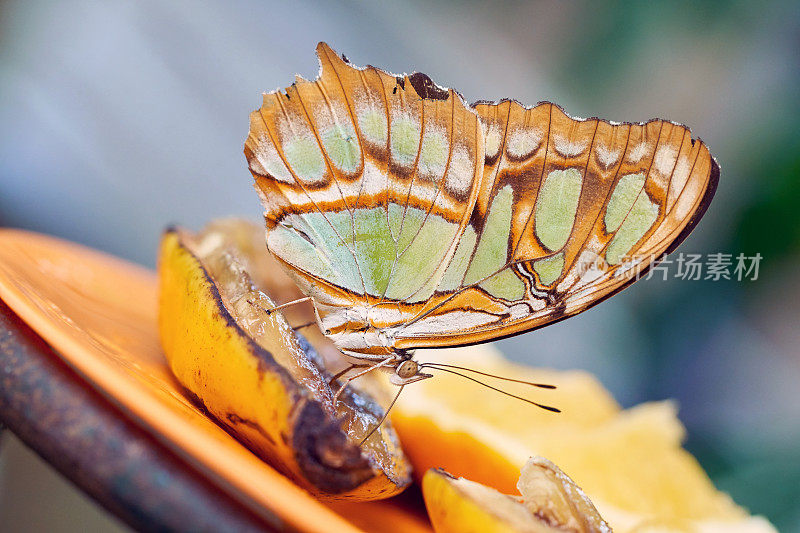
550,502
259,379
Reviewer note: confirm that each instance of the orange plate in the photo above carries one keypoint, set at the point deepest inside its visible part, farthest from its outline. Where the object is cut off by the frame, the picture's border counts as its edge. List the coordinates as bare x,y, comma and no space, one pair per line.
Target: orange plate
99,313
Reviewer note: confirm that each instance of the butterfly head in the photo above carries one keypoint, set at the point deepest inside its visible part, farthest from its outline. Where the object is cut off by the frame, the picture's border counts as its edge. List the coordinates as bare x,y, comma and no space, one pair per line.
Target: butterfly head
407,371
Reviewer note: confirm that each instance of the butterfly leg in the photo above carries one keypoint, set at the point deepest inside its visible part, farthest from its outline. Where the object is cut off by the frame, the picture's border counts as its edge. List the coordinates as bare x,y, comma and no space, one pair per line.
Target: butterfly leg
347,381
288,304
343,372
384,417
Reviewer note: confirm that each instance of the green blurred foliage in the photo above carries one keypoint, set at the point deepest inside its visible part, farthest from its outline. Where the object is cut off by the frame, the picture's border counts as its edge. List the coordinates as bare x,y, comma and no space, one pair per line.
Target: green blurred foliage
770,223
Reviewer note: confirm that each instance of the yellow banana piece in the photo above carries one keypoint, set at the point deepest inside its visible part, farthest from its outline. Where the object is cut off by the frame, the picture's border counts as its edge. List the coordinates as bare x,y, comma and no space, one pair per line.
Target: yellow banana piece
260,380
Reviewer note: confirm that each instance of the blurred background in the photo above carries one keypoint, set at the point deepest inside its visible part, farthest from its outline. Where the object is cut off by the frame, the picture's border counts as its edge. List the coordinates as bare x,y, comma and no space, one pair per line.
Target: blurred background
118,118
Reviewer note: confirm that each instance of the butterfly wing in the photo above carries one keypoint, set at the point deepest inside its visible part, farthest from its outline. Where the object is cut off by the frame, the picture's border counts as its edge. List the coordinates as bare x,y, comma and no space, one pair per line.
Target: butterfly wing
568,212
397,207
368,181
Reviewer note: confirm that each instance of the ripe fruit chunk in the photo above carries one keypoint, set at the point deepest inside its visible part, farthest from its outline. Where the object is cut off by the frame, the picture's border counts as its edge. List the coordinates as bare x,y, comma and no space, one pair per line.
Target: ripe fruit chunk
549,502
257,377
630,462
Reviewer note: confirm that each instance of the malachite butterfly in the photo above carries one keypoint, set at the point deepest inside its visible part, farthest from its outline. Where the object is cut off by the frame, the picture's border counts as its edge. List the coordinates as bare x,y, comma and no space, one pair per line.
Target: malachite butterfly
412,219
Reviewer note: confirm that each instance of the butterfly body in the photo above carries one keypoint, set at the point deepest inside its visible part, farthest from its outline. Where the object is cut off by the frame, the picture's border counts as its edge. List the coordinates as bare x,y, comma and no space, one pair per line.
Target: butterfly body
413,220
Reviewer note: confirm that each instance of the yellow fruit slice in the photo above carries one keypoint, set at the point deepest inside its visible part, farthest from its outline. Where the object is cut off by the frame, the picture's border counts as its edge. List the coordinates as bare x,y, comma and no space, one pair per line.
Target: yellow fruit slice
257,378
550,502
630,462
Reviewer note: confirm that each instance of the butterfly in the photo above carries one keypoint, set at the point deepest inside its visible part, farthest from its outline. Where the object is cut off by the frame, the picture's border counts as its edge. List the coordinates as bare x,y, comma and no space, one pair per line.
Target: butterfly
411,219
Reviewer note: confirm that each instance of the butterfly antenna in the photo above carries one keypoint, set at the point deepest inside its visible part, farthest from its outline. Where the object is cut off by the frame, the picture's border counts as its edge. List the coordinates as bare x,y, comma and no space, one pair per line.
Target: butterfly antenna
540,385
545,407
384,417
